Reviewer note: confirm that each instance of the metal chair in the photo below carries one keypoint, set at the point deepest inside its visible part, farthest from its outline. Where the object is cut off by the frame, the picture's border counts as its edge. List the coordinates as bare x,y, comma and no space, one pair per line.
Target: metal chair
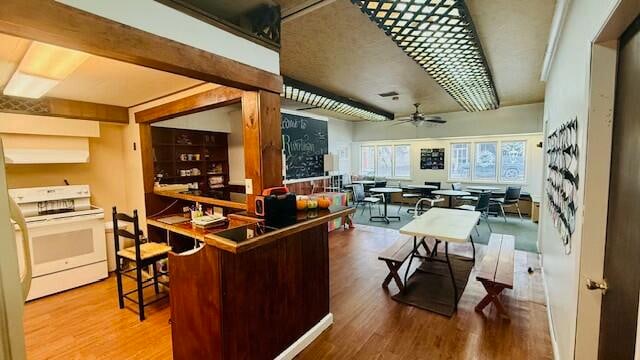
456,186
511,198
409,195
361,198
143,254
482,205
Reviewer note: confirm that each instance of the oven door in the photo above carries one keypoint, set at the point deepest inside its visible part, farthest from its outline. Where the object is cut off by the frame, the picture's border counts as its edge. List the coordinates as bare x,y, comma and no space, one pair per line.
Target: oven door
66,243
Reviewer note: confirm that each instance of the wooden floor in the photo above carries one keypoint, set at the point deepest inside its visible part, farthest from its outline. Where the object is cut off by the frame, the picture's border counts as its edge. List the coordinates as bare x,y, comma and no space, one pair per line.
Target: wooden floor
86,323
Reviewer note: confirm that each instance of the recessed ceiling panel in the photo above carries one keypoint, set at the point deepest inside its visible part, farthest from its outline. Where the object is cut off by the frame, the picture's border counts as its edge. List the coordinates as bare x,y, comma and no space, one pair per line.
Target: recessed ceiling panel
440,36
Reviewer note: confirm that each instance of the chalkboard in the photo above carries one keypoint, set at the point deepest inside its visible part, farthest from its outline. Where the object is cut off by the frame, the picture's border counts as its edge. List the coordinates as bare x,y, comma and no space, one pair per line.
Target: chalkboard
305,141
432,159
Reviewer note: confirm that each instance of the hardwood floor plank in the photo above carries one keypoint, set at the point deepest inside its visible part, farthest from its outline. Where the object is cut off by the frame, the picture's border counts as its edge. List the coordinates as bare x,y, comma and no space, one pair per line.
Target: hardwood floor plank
85,323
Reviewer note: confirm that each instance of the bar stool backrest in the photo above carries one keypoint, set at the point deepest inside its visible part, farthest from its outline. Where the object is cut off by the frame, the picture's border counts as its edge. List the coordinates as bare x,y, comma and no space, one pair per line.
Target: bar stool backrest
117,231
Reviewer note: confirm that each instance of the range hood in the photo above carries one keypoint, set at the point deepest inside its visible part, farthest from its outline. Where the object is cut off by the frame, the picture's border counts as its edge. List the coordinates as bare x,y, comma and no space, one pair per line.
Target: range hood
46,140
38,149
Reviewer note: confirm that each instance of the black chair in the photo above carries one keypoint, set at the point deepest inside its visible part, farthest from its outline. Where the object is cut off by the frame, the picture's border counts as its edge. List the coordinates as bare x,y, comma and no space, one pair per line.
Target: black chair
360,197
142,254
409,196
511,198
428,192
482,205
380,184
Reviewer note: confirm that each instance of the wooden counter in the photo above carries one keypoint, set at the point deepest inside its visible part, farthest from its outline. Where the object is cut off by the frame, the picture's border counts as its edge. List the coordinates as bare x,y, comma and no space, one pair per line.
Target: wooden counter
252,299
202,199
305,220
187,229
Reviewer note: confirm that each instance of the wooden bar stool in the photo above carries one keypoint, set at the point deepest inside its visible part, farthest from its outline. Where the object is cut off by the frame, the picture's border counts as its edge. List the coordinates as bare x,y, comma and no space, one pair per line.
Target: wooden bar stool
143,254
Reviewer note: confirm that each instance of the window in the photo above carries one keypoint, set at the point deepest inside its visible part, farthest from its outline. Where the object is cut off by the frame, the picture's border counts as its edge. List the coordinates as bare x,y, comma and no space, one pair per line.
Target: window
459,165
485,161
402,161
384,161
368,160
512,163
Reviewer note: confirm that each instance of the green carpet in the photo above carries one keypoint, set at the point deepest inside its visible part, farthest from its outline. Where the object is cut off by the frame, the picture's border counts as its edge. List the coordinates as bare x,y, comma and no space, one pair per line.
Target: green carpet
525,231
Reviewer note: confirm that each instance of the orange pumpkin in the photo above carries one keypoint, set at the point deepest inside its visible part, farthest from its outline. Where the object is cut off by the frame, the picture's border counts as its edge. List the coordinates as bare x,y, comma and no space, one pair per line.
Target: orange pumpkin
301,204
324,203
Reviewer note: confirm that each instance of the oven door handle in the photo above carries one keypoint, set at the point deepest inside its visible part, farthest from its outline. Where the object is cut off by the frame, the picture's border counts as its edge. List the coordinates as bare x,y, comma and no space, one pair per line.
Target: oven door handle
25,279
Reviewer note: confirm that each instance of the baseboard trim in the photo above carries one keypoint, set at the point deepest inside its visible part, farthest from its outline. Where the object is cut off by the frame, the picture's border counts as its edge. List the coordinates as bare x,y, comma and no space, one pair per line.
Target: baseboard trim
552,333
306,339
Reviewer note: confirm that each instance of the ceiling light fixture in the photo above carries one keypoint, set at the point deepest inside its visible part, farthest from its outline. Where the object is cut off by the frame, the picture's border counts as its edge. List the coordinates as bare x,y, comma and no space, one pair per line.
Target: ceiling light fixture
440,36
308,94
42,67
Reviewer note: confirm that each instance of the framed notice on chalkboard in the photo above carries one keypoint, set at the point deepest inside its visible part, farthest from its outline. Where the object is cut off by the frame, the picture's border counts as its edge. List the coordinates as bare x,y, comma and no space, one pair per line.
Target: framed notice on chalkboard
432,159
305,141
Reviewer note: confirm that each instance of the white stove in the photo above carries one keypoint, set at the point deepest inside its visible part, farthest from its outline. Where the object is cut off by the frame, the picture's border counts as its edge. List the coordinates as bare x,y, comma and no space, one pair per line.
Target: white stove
66,235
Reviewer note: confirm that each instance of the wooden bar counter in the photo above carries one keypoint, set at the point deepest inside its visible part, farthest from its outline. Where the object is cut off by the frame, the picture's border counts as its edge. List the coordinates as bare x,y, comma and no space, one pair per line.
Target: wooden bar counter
251,291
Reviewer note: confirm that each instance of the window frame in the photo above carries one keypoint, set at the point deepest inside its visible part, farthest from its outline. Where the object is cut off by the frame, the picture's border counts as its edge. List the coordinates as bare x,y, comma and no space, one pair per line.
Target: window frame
396,176
496,166
472,160
393,175
362,173
524,156
469,159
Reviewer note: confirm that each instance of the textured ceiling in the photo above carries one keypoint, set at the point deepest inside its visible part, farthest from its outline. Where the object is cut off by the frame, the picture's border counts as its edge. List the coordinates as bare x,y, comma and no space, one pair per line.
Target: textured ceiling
339,49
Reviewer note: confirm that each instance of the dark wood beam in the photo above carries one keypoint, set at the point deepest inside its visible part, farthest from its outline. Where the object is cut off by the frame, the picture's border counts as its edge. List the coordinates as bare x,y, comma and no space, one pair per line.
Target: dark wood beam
65,108
211,99
54,23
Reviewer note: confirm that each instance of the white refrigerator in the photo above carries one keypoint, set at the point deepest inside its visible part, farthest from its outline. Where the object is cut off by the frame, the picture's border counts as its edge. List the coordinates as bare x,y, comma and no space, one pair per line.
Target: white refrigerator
14,286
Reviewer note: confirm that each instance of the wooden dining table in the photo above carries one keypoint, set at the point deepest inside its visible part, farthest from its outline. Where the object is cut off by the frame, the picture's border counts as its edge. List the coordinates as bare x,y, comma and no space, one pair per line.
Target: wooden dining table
441,225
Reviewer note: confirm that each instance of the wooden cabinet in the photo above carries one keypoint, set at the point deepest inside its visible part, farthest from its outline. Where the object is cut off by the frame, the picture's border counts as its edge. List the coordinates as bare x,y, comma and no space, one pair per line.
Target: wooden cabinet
249,305
188,156
535,211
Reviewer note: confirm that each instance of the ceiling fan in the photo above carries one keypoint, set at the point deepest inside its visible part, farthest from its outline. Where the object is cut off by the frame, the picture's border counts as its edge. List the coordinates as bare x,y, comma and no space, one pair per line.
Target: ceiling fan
418,118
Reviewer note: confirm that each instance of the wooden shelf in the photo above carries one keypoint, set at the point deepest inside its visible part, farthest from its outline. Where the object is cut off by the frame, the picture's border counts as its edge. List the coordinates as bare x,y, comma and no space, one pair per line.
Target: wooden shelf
211,146
180,176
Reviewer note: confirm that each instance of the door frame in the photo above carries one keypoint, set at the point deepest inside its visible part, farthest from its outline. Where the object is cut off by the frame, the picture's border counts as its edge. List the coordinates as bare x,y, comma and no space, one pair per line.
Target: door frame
601,102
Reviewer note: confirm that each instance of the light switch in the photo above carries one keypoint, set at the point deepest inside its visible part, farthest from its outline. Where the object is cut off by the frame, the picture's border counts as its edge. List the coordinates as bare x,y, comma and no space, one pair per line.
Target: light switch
248,184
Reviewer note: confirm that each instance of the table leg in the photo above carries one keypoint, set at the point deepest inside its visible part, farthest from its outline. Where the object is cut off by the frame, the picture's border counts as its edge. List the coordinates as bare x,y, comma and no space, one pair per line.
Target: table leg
406,272
385,217
453,279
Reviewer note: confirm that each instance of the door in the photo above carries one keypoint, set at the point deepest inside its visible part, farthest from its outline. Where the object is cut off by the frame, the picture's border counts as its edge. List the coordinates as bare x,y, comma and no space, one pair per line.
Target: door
12,292
619,311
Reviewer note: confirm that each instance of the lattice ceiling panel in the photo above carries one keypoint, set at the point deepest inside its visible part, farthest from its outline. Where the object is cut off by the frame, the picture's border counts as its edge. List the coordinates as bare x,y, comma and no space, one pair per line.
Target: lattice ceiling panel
440,36
311,95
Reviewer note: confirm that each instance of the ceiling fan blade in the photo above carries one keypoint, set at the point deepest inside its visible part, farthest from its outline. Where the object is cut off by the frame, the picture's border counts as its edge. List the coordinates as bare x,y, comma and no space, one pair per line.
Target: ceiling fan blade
402,122
402,118
437,121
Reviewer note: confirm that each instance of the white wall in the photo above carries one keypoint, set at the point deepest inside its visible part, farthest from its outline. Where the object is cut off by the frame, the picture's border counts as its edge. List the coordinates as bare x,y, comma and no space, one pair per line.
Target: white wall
566,96
153,17
533,183
518,119
235,142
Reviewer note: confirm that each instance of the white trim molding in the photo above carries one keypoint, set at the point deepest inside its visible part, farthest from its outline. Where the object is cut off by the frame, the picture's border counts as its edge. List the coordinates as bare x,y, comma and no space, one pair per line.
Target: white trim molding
306,339
559,16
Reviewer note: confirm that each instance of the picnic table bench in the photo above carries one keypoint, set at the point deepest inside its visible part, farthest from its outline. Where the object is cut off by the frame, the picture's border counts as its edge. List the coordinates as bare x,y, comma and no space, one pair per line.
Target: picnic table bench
496,270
